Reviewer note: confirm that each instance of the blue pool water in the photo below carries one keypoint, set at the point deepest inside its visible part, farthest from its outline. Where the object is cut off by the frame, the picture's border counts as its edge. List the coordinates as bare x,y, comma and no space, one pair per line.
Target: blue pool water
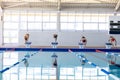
97,65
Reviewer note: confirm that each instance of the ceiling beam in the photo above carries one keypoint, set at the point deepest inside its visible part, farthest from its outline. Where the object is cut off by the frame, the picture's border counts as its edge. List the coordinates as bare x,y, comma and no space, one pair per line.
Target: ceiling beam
59,5
117,5
15,5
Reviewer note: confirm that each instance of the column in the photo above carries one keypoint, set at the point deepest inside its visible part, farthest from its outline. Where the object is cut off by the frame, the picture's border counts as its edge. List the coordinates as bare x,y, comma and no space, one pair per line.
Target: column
58,21
1,64
54,61
26,63
1,26
27,55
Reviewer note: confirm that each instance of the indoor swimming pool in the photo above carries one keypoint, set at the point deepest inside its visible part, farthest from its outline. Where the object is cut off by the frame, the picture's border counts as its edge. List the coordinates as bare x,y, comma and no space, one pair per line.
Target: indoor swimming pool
72,64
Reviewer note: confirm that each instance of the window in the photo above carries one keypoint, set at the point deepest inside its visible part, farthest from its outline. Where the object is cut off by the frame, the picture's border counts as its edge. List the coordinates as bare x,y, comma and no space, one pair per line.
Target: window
11,27
44,21
38,17
49,26
71,17
87,18
27,20
90,26
79,26
103,26
64,17
102,18
23,25
38,21
94,18
10,36
83,21
49,21
79,17
67,21
31,16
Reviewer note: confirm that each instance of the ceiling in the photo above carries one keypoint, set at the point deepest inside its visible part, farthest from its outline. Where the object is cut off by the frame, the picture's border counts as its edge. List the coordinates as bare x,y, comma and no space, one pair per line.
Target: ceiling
60,4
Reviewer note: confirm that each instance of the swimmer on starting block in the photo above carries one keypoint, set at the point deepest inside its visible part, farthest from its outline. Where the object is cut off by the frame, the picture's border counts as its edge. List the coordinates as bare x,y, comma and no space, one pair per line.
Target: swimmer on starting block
55,37
113,41
83,40
26,37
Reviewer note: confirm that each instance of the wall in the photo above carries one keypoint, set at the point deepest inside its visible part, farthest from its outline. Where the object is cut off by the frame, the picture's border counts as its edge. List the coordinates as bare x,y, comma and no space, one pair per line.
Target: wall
67,38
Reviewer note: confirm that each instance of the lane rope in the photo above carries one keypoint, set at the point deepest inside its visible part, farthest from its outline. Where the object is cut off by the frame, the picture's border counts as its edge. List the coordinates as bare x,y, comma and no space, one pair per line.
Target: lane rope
26,57
93,64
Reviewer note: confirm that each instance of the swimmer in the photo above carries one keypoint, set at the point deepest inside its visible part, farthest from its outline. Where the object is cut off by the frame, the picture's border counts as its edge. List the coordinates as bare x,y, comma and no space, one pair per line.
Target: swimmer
55,37
83,40
113,41
26,37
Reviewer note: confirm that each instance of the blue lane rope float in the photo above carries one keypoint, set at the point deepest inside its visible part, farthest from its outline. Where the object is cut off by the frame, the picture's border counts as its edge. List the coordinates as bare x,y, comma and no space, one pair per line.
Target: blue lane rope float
24,59
93,64
2,71
60,49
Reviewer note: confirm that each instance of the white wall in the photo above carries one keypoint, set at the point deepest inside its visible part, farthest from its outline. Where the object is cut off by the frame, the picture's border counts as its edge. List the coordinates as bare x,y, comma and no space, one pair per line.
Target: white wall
67,38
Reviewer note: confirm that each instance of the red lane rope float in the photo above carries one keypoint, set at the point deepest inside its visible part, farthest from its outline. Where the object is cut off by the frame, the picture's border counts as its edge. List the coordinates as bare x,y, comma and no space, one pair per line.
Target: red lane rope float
98,50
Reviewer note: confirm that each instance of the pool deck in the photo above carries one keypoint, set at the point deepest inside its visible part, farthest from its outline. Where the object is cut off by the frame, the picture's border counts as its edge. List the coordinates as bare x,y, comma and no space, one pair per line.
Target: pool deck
34,46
